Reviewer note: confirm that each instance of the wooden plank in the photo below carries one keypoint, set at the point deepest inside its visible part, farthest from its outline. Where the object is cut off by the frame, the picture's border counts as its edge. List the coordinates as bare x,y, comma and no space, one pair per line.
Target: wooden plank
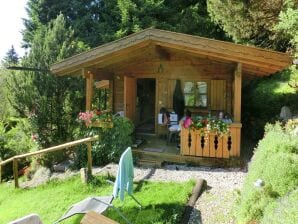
212,151
15,172
96,218
237,93
130,97
219,150
199,149
218,95
225,151
171,89
103,84
192,138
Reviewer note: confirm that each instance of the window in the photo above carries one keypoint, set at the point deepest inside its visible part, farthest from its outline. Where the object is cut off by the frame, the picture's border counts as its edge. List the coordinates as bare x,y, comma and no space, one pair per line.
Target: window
195,93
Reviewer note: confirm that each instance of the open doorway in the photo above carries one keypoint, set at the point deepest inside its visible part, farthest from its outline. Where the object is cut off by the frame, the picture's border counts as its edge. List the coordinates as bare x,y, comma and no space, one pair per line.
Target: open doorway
145,106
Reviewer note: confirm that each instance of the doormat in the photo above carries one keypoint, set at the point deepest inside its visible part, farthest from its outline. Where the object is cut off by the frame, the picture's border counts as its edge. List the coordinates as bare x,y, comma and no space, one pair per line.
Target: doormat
137,143
154,149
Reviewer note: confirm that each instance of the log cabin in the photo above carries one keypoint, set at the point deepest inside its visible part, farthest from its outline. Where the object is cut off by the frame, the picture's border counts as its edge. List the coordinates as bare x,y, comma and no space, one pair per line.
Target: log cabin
143,70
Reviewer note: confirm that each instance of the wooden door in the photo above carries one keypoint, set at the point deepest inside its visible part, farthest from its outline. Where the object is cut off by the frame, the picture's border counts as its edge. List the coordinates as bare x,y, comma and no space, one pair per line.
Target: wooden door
129,97
218,95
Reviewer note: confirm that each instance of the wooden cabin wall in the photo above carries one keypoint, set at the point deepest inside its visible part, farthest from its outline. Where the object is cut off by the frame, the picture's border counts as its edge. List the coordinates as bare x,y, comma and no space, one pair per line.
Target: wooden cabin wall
166,72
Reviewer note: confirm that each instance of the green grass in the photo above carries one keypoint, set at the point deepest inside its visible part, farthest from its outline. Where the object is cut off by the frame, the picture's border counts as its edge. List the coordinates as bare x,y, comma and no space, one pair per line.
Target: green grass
162,202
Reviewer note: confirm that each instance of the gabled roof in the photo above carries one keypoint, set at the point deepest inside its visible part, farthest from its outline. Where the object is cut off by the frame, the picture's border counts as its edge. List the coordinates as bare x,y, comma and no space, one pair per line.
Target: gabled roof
255,61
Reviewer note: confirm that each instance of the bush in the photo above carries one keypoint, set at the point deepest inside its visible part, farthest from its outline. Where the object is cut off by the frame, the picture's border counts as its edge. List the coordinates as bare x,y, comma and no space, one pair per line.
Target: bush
283,210
275,162
262,102
113,141
15,138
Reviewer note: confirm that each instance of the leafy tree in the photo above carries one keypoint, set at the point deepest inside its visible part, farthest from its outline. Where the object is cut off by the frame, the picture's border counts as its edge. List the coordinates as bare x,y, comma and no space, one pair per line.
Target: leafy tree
94,21
175,15
252,21
52,103
11,57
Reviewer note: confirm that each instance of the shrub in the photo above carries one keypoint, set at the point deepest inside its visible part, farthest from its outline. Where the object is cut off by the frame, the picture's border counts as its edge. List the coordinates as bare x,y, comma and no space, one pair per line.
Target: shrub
15,138
283,210
275,162
113,141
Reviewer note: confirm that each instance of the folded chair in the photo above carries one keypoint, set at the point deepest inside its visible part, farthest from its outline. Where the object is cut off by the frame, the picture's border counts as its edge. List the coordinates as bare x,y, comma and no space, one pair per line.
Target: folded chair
124,182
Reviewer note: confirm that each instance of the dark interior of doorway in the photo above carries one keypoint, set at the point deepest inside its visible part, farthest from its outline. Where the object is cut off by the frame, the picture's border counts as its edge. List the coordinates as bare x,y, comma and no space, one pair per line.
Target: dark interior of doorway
145,106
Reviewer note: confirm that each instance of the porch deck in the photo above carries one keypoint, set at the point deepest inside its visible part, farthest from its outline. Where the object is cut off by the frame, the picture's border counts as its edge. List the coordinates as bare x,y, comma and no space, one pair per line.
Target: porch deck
154,151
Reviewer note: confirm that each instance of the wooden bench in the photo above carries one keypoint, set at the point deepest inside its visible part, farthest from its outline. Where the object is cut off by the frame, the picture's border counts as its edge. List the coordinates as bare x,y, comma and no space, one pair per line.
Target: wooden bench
96,218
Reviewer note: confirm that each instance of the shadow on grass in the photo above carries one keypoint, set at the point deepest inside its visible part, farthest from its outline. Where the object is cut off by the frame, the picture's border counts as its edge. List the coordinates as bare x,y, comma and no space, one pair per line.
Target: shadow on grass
156,213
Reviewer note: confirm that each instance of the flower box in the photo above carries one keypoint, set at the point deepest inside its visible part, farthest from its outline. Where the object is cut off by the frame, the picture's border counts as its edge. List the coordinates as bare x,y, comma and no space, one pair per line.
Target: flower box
102,124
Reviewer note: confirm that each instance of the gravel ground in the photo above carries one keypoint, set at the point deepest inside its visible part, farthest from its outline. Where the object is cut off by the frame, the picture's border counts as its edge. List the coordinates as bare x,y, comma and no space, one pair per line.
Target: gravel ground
214,206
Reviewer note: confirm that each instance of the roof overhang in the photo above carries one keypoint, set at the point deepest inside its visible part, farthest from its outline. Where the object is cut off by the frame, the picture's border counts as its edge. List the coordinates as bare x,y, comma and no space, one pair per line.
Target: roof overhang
255,61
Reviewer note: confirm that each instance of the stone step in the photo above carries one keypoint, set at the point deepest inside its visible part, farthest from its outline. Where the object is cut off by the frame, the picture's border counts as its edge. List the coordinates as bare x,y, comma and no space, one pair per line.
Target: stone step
149,163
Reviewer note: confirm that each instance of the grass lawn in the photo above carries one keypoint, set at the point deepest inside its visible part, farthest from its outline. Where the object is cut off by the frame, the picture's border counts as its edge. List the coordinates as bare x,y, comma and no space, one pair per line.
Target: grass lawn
162,202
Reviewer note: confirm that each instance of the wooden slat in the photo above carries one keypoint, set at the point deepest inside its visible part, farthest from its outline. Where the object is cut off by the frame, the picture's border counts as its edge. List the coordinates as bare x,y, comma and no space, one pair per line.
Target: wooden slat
219,150
218,95
192,149
225,151
199,150
212,151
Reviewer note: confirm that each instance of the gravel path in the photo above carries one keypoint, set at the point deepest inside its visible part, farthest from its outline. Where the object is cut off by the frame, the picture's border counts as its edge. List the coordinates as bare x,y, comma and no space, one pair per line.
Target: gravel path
214,206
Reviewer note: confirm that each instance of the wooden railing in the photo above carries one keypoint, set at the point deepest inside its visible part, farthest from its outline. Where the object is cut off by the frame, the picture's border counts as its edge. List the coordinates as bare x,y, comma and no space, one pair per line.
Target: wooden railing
64,146
193,143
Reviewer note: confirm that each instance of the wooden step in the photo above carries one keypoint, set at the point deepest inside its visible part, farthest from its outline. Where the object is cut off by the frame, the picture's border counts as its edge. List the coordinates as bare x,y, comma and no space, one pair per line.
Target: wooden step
149,163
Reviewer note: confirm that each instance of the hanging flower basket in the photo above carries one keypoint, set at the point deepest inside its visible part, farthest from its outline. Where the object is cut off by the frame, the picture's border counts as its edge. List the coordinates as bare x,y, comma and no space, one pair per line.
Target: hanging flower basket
96,119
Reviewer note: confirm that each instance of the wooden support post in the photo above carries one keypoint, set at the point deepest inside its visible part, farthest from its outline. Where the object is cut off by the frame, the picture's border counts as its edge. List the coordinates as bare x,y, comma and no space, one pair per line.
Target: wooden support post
237,93
89,88
89,154
0,174
15,172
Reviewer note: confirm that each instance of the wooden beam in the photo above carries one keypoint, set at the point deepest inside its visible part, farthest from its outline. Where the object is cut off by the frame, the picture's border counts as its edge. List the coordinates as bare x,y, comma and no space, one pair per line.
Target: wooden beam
89,88
237,92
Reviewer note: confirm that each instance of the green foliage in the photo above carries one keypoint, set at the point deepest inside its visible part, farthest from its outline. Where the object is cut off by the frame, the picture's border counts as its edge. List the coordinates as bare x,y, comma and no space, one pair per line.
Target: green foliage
283,210
166,206
113,141
181,16
11,57
93,22
15,138
263,99
51,103
275,162
255,21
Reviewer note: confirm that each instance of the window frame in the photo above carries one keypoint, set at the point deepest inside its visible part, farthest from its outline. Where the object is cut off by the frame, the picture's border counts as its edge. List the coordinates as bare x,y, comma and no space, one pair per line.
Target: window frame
196,93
